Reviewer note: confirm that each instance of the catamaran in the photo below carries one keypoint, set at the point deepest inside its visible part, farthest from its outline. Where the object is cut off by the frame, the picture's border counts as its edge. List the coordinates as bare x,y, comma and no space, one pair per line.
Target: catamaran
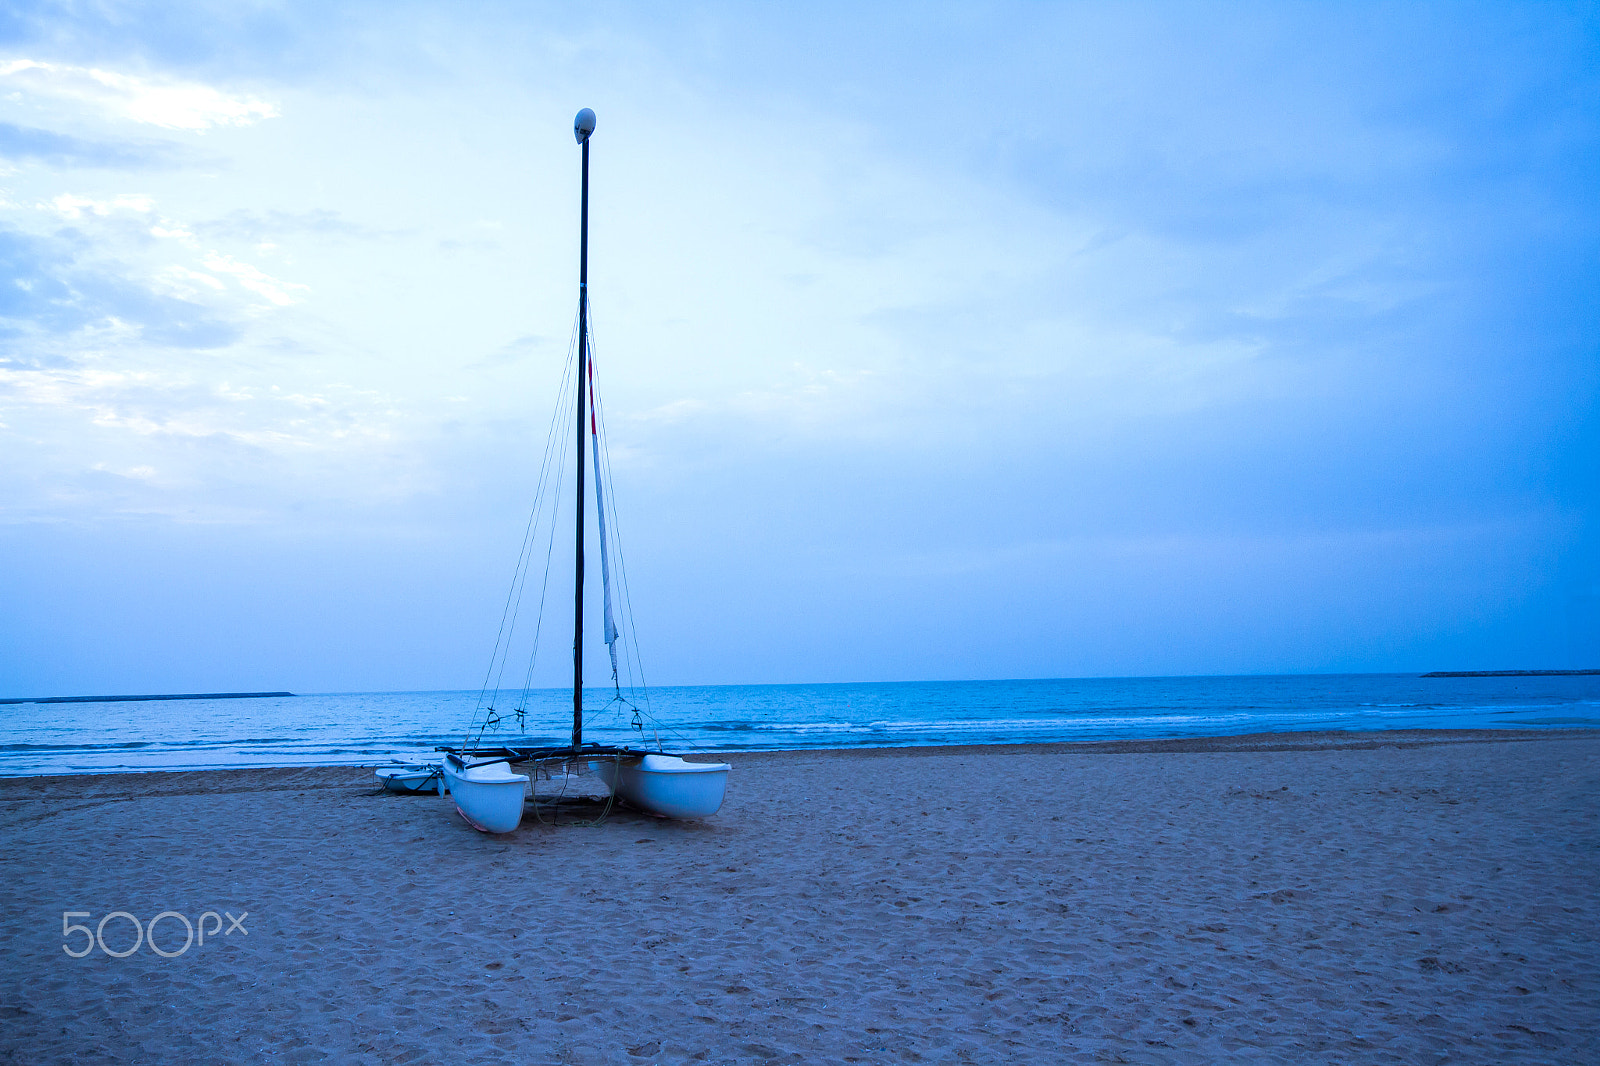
483,782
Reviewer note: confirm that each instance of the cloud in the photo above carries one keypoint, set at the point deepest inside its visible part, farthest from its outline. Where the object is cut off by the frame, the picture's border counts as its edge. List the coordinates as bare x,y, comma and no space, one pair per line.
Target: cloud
279,293
46,292
257,226
187,284
181,284
169,104
56,149
75,207
175,406
123,433
136,473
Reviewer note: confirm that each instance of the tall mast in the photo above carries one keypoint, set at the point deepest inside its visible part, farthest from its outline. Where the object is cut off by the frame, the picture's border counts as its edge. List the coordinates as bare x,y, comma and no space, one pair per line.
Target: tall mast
582,127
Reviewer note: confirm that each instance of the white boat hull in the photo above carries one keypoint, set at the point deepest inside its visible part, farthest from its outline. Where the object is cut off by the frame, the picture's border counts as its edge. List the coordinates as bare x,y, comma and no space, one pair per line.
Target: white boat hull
489,796
427,778
665,785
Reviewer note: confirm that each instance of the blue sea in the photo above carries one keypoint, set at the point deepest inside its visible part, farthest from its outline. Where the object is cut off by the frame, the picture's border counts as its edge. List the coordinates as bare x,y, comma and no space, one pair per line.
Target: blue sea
376,727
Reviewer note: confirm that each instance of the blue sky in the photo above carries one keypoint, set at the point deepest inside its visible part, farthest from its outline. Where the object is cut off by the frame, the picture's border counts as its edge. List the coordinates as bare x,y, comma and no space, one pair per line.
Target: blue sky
937,341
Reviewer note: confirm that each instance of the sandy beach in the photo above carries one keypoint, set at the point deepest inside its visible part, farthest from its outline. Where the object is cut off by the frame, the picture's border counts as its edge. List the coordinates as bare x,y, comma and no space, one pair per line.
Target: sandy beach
1398,897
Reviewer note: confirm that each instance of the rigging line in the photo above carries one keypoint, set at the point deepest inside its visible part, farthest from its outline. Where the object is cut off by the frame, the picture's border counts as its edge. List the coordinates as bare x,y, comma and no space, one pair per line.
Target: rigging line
515,613
547,491
524,558
527,539
492,716
603,448
606,498
506,610
555,493
637,658
544,586
602,481
555,804
630,656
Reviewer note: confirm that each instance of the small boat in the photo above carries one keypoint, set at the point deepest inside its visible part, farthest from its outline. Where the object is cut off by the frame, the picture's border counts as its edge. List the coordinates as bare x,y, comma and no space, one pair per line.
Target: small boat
412,777
485,790
486,793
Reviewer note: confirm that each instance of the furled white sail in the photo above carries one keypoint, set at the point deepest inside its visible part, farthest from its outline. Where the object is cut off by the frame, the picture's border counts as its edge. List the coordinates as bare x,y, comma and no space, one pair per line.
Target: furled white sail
605,547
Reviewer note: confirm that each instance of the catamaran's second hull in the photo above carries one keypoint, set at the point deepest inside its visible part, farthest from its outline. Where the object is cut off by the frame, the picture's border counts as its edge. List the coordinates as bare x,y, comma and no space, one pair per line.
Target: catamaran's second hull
665,785
488,796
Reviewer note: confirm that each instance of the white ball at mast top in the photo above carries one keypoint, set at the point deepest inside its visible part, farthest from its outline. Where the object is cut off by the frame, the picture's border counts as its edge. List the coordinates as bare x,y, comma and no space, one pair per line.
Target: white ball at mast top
583,125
